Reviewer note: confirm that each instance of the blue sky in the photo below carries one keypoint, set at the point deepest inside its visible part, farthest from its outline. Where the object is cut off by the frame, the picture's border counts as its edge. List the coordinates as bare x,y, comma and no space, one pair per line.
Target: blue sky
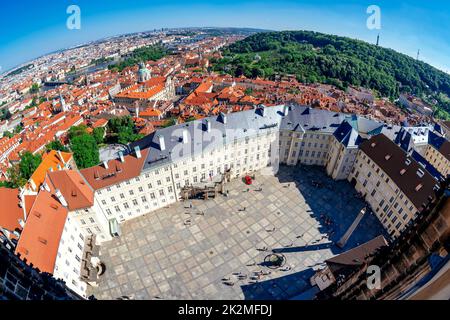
32,28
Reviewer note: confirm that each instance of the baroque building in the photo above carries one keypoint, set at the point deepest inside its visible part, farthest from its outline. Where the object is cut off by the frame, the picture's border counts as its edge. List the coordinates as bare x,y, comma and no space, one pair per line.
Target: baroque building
89,205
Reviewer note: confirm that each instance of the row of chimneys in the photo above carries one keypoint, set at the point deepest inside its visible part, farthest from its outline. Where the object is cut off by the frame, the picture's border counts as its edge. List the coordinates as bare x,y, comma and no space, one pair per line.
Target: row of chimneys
137,151
207,126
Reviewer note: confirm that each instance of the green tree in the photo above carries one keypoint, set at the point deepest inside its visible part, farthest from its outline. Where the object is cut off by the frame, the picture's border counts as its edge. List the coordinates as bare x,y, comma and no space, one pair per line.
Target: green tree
5,114
8,134
152,53
99,135
123,129
18,129
248,91
28,164
15,179
116,123
170,122
77,131
85,150
57,146
34,88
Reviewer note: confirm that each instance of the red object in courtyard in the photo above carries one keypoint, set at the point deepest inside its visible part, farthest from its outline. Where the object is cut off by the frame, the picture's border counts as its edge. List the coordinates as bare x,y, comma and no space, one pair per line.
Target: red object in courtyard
248,180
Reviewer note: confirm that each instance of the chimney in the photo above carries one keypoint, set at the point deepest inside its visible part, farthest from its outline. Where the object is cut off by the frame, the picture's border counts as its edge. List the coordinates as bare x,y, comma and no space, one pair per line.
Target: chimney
105,164
224,117
208,125
122,159
162,144
46,187
286,110
61,157
61,197
262,110
185,136
137,150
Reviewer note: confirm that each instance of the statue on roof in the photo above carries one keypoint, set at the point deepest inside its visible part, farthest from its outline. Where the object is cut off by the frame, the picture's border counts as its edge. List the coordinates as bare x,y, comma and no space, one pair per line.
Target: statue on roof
143,73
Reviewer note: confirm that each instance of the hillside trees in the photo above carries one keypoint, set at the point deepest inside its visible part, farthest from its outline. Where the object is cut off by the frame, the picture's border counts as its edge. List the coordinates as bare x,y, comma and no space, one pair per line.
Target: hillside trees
315,57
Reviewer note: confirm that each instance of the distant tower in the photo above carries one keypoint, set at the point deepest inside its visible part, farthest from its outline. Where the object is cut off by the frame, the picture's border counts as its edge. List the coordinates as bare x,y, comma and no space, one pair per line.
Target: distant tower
143,73
418,54
64,107
86,79
378,39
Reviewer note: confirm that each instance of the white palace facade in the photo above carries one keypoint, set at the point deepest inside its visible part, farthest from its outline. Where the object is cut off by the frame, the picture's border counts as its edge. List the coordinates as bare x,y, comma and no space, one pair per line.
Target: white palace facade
156,168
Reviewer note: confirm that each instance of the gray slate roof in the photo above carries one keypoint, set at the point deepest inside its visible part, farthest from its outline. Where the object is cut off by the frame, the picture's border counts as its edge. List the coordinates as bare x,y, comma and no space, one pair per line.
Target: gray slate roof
239,125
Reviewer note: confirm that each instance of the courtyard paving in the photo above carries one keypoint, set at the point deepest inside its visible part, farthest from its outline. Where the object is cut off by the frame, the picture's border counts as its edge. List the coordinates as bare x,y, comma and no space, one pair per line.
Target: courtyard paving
159,257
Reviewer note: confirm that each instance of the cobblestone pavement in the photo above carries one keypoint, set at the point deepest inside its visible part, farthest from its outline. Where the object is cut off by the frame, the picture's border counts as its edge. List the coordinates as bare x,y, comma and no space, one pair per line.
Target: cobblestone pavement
159,257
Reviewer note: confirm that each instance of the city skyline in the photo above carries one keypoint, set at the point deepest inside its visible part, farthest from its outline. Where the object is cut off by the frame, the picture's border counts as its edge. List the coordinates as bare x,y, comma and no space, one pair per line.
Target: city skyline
405,26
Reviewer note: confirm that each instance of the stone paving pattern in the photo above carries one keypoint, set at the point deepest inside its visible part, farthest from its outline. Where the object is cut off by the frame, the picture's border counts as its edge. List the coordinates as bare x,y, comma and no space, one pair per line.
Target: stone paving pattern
159,257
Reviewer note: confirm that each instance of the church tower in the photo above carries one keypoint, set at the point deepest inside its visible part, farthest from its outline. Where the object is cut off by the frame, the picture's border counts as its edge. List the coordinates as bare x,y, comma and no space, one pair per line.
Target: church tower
64,106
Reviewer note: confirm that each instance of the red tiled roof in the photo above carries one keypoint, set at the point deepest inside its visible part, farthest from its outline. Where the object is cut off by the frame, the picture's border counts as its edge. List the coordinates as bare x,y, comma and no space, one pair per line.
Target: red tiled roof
74,188
10,212
99,177
39,241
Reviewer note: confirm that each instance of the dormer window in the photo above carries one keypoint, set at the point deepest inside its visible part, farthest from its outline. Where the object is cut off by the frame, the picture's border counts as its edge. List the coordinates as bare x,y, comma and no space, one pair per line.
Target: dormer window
420,173
419,186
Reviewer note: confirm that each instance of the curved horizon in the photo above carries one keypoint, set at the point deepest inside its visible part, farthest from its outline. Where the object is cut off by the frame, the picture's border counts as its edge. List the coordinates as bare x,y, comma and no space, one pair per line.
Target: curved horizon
407,26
